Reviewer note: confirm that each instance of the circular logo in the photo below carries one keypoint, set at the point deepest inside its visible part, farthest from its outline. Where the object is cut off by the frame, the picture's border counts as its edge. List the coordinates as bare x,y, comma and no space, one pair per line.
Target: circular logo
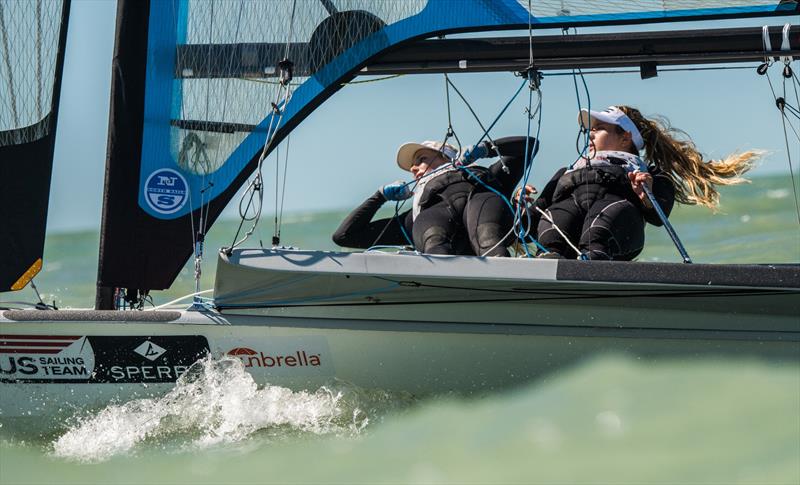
166,191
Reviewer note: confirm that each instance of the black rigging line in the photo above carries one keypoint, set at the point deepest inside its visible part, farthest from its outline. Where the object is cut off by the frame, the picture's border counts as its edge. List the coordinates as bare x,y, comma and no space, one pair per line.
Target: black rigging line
780,102
638,71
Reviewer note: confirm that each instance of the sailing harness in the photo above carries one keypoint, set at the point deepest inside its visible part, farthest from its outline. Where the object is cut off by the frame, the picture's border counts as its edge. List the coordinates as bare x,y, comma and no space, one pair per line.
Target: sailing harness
434,182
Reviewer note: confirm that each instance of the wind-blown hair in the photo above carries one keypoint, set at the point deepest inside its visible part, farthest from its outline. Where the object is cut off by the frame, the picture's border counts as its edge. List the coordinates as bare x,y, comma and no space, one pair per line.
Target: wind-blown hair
674,152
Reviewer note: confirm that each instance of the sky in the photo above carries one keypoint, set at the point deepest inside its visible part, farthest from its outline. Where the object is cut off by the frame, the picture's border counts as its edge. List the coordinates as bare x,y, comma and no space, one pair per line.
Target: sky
345,149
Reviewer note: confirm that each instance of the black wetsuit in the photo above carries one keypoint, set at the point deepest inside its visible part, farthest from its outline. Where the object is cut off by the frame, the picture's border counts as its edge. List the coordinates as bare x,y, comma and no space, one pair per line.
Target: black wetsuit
599,212
458,215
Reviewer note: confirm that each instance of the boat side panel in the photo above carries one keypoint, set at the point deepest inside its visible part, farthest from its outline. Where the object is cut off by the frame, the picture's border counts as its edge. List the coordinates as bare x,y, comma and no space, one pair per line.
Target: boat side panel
421,359
741,275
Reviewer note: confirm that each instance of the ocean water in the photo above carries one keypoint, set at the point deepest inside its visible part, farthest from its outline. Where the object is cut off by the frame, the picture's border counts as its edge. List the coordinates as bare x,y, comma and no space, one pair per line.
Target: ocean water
610,419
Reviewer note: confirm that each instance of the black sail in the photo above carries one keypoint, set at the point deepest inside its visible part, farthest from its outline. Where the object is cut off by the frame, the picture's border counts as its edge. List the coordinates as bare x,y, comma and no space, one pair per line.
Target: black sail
32,44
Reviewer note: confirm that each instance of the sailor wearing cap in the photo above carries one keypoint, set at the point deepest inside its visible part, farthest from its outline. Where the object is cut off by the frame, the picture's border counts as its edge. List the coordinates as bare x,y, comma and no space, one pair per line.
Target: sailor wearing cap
597,208
457,206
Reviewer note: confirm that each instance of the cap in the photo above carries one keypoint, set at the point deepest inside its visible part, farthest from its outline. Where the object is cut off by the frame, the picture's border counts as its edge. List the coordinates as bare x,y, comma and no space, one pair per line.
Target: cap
405,154
614,116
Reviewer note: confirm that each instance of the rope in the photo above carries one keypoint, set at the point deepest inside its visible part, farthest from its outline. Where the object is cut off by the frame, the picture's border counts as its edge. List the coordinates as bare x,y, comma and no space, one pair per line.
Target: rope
283,188
364,81
528,80
528,168
278,108
177,300
201,156
781,107
549,219
474,115
450,130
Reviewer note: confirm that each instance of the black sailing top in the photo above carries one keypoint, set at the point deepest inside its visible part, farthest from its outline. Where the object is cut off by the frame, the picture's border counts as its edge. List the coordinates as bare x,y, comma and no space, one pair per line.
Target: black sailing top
358,230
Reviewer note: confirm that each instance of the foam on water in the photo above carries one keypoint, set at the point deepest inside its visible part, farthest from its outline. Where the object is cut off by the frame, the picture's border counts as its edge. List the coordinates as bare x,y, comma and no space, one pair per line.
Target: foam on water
778,193
608,420
216,402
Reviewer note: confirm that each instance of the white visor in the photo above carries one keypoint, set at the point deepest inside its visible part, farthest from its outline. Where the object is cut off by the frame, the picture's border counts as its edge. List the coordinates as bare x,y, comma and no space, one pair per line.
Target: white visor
405,154
614,116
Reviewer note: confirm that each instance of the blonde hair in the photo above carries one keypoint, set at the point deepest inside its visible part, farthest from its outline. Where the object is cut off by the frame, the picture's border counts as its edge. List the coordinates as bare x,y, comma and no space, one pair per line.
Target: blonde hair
674,152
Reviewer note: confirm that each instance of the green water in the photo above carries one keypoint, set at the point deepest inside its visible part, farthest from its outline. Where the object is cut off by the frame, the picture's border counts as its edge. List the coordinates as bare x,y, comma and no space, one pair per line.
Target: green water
613,419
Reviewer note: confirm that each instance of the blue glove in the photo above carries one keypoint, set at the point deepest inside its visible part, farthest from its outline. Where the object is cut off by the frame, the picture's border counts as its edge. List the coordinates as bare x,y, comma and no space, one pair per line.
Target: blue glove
397,190
472,153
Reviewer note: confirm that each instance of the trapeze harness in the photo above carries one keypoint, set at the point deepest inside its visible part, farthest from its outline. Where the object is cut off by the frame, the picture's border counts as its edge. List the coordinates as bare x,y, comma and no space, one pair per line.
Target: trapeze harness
453,211
594,205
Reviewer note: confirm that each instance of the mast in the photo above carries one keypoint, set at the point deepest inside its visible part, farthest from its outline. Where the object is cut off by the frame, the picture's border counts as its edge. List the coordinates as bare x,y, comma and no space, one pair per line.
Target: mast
124,146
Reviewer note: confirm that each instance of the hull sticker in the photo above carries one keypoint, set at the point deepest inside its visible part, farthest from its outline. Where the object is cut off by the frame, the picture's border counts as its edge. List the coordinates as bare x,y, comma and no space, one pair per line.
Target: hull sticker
281,356
98,359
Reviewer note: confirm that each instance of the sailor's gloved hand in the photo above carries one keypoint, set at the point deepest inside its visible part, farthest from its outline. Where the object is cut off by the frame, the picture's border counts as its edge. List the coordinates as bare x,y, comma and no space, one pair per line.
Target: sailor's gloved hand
472,153
397,190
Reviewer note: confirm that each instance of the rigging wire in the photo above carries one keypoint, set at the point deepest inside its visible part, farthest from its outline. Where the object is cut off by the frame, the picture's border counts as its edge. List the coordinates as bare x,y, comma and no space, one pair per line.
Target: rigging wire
278,110
524,231
585,151
279,212
201,162
469,107
363,81
527,81
780,102
450,131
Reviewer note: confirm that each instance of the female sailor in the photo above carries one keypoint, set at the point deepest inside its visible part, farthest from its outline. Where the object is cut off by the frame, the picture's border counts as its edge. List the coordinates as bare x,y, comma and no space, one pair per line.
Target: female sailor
599,206
458,207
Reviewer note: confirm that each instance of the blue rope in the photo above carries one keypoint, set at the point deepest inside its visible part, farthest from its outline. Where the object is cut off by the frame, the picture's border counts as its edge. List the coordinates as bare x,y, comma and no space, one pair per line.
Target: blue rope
400,223
586,138
528,164
502,112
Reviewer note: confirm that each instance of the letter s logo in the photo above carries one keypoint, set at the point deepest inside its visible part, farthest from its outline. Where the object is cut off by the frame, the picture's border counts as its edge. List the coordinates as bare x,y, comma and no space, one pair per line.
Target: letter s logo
26,366
166,191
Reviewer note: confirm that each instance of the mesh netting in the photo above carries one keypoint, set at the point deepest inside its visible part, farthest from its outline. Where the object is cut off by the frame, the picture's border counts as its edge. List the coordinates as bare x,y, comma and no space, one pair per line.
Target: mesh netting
554,8
246,40
29,33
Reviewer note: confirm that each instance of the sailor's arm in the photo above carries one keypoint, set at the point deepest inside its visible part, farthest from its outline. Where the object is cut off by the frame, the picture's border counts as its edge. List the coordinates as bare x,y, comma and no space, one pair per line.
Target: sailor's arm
663,190
358,230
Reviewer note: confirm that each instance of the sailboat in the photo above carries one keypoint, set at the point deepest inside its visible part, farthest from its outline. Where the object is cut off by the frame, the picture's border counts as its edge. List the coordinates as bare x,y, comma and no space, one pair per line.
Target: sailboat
184,137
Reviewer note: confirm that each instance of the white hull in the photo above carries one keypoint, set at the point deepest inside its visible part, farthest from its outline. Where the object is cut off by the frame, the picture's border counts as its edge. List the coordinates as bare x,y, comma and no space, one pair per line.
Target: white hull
419,358
423,338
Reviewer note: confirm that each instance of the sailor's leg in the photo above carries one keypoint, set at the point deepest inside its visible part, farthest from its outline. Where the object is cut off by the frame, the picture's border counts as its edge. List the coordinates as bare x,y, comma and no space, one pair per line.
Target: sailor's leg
488,221
568,216
434,230
613,229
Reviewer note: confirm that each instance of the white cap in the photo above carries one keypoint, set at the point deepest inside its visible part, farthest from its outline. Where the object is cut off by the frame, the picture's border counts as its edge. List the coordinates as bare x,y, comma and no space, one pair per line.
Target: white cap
614,116
405,154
